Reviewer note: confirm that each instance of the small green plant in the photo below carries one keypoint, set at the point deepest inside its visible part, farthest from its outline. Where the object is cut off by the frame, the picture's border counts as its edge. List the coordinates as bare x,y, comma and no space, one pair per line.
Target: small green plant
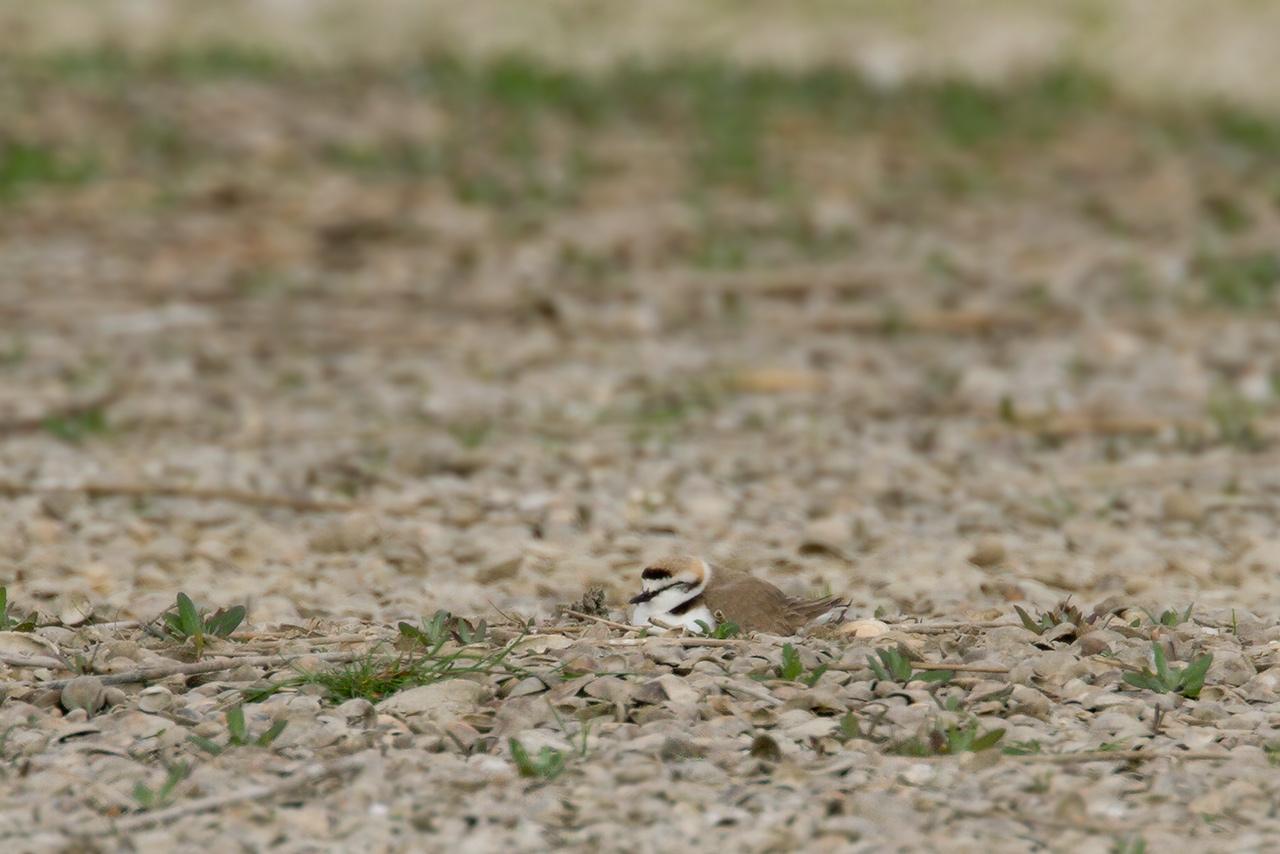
186,622
425,661
949,741
238,734
8,621
441,628
1063,612
850,728
1129,845
75,427
1041,784
471,434
723,631
149,798
14,353
547,765
1058,507
1235,421
1007,412
792,669
893,666
1171,617
25,165
1242,282
1023,748
1187,681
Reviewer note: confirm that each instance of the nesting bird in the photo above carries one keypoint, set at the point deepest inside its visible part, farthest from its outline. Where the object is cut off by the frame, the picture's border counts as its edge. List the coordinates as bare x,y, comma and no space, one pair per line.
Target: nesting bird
684,591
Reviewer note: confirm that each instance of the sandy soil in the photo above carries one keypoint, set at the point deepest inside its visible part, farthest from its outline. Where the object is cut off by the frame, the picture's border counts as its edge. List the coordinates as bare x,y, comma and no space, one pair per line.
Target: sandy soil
351,344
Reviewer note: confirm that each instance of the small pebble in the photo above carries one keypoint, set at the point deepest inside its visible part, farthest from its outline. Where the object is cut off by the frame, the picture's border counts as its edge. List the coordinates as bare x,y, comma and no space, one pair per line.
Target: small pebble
84,692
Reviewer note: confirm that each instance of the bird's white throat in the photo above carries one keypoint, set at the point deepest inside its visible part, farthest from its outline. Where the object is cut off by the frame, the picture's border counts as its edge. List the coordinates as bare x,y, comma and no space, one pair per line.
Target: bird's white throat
690,620
665,606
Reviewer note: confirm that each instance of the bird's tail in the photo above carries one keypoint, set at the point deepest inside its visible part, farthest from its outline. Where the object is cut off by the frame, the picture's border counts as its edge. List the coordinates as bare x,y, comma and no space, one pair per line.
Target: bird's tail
825,610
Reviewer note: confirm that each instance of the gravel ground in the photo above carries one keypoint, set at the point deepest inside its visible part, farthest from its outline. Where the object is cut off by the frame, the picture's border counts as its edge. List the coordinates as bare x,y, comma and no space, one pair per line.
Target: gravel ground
352,345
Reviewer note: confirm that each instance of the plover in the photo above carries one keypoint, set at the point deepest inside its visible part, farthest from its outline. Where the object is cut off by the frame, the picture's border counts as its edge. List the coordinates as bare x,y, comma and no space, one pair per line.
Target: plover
684,590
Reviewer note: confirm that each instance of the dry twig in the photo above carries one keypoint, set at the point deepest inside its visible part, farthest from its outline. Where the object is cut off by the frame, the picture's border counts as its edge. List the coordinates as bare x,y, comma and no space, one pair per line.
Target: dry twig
600,620
959,668
154,673
1116,756
943,628
675,640
259,792
18,660
955,322
749,691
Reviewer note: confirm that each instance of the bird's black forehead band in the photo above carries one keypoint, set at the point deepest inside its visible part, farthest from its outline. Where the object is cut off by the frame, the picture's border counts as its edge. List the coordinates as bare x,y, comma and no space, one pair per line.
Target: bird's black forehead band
652,572
644,596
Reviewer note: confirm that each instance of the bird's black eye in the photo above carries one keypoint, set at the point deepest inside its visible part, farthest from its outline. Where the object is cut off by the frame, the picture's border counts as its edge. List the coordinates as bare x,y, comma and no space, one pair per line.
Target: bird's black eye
651,573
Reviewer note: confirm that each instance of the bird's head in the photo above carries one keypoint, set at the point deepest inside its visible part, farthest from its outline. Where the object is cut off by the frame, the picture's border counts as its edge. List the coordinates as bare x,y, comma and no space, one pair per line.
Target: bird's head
678,578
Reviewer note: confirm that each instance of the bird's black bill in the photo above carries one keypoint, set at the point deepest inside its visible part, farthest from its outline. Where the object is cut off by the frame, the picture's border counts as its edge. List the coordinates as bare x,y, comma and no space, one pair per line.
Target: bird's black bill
643,597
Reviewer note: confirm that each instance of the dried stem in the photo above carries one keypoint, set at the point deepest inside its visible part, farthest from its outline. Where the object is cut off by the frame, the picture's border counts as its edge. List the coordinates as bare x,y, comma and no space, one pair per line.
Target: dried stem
623,626
18,660
259,792
943,628
960,668
675,641
154,673
1116,756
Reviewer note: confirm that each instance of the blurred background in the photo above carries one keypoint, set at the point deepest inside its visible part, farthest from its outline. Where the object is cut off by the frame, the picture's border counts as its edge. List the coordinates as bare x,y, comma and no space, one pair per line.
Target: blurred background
368,308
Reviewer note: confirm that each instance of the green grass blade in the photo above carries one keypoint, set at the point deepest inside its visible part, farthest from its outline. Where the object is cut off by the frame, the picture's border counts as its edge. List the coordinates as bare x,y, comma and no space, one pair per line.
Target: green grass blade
934,676
1162,666
814,675
266,739
236,726
188,617
223,623
987,740
791,667
1028,623
207,745
520,756
1192,678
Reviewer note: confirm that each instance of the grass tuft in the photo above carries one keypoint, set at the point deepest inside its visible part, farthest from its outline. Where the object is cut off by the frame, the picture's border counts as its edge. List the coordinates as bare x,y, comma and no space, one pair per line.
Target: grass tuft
428,660
1241,282
1187,681
186,622
9,622
24,166
238,734
948,741
890,665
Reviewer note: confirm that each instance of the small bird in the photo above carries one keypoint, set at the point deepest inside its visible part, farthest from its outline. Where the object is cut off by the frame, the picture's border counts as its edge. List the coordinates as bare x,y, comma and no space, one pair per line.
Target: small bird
683,591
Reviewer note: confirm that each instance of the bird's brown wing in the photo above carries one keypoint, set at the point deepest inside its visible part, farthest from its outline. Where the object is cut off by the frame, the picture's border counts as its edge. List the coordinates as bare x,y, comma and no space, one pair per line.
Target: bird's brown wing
758,606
